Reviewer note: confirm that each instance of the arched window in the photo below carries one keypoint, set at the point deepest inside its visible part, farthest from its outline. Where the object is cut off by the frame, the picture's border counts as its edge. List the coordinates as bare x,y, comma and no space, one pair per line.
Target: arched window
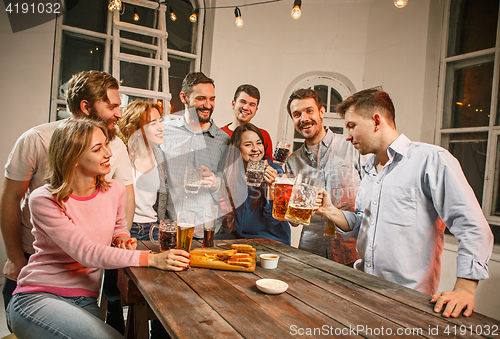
332,91
149,56
469,89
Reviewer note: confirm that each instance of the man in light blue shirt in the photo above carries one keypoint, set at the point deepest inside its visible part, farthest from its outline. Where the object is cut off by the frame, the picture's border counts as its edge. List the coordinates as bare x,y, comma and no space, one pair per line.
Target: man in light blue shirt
410,192
193,139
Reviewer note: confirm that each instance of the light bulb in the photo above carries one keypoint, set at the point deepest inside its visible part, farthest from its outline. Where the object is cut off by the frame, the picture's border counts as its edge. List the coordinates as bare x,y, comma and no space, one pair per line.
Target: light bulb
173,17
239,21
237,14
193,17
296,13
136,16
115,5
400,3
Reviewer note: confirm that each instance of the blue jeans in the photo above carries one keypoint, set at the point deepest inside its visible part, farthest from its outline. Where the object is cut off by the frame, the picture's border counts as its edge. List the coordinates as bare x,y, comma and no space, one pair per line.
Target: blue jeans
45,315
141,230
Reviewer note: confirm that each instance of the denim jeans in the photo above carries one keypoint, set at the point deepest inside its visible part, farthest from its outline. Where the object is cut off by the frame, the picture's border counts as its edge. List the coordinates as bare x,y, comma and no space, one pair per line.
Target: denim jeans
141,231
9,286
45,315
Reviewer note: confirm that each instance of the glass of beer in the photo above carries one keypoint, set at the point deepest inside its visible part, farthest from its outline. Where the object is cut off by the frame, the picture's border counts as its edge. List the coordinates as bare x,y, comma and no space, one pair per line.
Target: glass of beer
185,229
192,180
209,222
255,172
301,205
167,235
283,185
281,153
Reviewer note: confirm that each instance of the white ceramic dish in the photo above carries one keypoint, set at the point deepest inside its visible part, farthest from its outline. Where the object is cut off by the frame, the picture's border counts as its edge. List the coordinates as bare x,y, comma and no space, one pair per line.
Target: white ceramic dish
269,261
271,286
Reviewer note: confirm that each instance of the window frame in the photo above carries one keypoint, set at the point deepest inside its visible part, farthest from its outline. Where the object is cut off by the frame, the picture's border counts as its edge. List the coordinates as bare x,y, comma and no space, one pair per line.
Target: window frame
110,52
446,93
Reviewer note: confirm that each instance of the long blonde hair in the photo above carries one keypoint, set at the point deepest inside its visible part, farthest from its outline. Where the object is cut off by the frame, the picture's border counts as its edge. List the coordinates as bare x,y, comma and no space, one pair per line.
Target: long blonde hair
69,142
135,116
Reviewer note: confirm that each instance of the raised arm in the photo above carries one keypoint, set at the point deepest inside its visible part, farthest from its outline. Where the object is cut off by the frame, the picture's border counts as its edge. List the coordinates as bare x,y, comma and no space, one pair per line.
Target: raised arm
10,222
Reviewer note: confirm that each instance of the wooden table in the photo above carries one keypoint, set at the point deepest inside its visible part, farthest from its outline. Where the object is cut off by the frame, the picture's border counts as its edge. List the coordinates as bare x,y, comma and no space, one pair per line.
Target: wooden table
324,299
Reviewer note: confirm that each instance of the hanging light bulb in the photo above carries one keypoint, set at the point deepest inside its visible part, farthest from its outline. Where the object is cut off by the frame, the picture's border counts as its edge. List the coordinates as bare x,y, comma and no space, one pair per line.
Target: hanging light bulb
296,13
136,16
237,14
173,17
115,5
193,17
400,3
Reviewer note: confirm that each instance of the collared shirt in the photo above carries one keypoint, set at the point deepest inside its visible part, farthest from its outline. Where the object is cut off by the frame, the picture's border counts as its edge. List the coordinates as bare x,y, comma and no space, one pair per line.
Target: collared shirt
401,213
183,147
339,169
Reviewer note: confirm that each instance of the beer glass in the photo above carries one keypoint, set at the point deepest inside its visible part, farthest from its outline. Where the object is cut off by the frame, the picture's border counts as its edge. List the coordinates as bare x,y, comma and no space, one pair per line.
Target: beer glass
255,172
281,153
167,235
192,180
209,222
185,229
283,185
301,205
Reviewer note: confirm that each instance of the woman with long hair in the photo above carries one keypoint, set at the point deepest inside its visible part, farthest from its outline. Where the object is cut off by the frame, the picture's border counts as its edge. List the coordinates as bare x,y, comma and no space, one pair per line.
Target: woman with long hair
252,206
141,129
76,217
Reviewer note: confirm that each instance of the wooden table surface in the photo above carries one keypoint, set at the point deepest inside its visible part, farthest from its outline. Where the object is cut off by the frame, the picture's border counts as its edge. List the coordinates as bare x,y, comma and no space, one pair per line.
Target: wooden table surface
324,299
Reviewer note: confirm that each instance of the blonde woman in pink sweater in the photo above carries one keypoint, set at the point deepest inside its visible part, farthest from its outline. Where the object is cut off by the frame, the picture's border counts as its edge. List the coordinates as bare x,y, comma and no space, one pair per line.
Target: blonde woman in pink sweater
76,217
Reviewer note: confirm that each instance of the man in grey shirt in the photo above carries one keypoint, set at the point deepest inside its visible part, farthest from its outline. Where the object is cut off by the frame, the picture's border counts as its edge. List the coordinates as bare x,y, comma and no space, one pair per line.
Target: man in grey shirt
334,161
194,140
410,192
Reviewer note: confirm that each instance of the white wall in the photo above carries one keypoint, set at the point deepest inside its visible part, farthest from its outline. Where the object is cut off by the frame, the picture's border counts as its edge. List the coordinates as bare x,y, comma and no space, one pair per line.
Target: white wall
272,49
26,70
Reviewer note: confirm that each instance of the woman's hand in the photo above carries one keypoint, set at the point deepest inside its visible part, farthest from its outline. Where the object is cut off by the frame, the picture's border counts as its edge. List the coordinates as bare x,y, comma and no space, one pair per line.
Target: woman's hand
270,174
126,243
171,260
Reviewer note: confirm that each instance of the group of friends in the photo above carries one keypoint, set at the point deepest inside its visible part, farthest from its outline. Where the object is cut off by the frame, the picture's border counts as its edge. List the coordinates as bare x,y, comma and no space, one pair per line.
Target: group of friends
79,192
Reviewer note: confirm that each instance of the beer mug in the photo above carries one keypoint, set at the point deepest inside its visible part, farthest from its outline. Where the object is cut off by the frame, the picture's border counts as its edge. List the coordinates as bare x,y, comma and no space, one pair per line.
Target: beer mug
255,172
192,180
281,153
301,205
167,235
283,185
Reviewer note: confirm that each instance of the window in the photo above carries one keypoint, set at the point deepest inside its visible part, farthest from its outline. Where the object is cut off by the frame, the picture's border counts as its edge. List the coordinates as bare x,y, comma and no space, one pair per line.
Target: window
469,124
150,57
332,91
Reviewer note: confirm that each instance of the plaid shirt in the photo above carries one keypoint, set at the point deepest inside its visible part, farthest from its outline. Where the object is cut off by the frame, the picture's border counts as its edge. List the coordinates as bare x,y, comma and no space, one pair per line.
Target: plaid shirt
183,147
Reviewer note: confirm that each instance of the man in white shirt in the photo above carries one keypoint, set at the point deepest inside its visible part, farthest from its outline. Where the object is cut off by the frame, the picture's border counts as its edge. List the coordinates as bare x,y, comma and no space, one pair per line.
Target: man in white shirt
91,94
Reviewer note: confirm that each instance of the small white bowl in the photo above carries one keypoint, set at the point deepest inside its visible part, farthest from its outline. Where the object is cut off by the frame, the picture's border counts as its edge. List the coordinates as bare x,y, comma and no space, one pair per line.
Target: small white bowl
269,261
271,286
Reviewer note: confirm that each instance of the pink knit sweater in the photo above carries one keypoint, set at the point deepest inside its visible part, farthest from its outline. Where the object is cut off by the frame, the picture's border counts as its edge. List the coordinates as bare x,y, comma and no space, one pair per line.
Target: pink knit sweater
73,245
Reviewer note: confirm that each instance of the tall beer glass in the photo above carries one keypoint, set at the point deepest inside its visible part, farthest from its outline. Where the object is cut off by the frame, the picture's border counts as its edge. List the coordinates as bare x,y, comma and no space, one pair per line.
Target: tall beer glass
185,229
283,185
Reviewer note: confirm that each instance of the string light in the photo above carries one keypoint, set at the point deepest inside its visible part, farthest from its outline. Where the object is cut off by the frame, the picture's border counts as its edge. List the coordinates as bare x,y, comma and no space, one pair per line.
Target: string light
237,14
296,12
400,3
173,17
136,16
115,5
193,17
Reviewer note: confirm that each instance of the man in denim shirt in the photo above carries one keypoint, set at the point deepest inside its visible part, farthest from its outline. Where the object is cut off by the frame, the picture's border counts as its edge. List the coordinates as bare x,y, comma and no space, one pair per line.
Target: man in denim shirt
410,192
333,160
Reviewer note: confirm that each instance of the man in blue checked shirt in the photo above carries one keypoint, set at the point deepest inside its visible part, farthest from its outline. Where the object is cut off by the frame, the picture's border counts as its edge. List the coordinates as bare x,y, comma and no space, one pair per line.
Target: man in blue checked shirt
193,139
410,192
